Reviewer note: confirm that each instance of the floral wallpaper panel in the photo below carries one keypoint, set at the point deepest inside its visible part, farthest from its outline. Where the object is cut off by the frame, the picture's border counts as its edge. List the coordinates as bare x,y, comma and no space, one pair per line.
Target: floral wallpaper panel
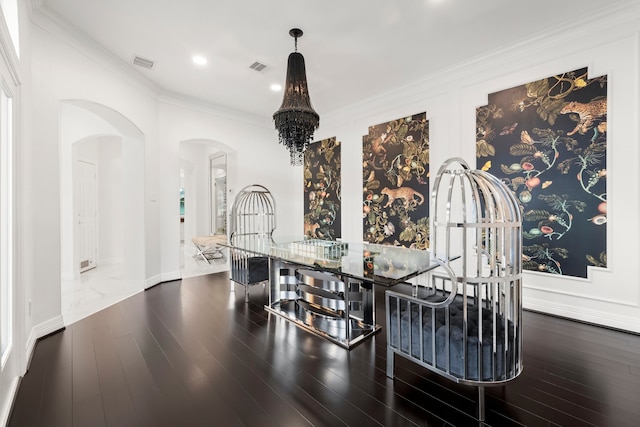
322,166
547,140
395,160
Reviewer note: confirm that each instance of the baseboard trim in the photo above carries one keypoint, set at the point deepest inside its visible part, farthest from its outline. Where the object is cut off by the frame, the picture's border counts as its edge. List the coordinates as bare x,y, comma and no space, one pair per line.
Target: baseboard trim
39,331
13,393
605,319
161,278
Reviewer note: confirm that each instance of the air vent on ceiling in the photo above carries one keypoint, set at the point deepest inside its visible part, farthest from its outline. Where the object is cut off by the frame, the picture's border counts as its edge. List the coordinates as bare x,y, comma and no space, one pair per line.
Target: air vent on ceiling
144,63
259,67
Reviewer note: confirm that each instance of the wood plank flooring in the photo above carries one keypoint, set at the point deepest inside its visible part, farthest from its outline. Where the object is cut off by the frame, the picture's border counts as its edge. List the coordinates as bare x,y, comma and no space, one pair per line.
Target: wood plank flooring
192,353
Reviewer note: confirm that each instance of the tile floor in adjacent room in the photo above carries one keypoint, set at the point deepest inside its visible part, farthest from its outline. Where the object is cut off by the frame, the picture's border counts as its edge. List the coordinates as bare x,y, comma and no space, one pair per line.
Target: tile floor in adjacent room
106,285
195,266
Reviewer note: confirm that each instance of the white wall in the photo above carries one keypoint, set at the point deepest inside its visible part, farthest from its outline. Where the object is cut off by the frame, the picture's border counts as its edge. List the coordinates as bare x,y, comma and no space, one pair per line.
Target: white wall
62,72
254,157
196,189
111,209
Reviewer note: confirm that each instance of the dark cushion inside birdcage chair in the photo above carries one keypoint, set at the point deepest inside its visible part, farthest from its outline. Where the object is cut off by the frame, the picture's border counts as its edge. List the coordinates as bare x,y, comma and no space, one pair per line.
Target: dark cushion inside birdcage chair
251,270
435,324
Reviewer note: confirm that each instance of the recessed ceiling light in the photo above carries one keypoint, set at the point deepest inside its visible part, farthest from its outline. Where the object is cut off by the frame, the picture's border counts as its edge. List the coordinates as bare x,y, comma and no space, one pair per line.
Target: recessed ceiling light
276,87
200,60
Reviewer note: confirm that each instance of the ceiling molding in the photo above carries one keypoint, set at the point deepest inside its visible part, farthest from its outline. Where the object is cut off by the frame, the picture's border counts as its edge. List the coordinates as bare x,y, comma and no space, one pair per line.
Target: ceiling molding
616,15
217,110
57,26
618,21
52,23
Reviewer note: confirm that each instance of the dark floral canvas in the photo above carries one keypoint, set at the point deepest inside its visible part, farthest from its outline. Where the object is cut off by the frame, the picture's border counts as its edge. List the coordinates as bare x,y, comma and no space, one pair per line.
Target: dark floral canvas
322,190
395,207
547,140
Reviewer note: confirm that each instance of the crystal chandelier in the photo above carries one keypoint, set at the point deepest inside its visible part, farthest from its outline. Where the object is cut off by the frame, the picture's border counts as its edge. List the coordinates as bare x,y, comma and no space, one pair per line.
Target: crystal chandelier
296,120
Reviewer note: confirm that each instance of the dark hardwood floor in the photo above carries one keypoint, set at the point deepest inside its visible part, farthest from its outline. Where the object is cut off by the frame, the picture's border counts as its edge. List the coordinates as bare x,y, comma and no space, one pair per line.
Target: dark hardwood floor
190,353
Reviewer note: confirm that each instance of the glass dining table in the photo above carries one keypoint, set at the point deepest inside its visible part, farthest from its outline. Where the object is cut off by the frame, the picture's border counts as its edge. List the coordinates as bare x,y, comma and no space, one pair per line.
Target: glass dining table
327,287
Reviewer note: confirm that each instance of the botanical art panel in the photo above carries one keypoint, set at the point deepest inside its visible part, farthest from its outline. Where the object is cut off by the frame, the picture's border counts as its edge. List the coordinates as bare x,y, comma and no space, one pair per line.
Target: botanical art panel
322,165
547,140
395,164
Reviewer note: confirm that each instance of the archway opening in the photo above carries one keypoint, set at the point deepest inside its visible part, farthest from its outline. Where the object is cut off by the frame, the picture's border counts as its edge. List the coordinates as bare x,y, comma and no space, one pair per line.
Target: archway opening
102,209
206,181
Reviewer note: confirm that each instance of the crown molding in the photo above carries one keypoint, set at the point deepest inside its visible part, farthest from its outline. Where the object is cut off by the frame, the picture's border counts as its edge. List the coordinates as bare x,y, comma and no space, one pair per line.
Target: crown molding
189,102
60,28
615,19
57,26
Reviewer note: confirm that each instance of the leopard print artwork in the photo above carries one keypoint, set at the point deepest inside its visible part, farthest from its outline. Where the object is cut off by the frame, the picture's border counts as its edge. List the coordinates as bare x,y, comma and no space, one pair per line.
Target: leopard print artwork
406,193
587,113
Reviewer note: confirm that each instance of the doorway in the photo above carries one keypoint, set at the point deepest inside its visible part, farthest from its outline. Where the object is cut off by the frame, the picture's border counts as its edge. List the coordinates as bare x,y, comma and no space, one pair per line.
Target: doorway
204,189
85,197
218,195
101,209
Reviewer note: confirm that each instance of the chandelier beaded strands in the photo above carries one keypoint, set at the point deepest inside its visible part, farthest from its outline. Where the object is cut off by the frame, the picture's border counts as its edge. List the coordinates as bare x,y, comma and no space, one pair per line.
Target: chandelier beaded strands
296,120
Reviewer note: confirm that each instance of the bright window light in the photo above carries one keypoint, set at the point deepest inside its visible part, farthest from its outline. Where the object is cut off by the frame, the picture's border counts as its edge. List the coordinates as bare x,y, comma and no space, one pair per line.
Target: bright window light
10,13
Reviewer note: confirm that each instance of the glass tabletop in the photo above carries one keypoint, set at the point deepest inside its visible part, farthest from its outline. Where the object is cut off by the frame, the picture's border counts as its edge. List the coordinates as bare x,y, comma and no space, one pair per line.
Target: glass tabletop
381,264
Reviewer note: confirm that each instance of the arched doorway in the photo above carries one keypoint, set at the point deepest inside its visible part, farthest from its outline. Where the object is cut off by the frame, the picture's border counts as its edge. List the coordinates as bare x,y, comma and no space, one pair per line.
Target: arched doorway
102,208
205,166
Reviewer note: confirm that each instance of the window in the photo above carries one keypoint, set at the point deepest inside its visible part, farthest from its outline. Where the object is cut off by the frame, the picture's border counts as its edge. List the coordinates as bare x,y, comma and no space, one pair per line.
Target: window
10,12
6,220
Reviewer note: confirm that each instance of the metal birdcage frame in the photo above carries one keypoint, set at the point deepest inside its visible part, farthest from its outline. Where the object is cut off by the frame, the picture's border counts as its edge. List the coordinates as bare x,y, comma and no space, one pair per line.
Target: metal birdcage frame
465,323
253,221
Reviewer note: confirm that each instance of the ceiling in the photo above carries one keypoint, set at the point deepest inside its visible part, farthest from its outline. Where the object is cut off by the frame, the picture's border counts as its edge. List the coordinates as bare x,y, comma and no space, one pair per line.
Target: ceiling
354,49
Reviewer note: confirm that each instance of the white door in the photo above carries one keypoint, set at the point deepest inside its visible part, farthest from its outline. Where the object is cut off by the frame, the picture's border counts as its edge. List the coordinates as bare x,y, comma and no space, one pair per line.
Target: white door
87,214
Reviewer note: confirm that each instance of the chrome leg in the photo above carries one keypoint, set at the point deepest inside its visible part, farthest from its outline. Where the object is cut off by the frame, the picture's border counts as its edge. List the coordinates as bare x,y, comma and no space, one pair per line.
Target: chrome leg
481,413
200,252
390,356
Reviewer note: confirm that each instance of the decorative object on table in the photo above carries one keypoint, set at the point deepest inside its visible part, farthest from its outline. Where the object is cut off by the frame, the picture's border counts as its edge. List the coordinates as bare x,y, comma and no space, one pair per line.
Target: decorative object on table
253,220
396,183
319,249
322,187
465,322
296,120
548,141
